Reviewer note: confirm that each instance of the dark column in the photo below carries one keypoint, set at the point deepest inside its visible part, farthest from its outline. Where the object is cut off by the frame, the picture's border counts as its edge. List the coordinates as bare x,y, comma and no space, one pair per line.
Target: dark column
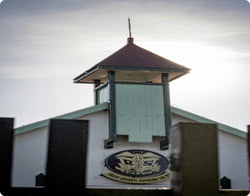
97,83
112,112
167,111
248,148
67,153
194,159
6,145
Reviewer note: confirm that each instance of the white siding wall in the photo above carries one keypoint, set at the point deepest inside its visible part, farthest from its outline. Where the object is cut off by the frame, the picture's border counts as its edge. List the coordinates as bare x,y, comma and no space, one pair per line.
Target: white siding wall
30,152
233,160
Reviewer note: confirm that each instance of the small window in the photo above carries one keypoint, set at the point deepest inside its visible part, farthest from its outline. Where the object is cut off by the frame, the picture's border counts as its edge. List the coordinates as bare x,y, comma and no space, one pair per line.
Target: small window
103,94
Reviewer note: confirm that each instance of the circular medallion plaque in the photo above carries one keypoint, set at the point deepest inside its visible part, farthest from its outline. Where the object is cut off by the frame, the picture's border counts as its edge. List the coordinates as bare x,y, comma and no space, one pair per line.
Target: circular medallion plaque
137,163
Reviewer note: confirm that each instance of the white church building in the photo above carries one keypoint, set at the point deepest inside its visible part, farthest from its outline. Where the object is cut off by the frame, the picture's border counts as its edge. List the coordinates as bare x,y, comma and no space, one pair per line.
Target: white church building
129,127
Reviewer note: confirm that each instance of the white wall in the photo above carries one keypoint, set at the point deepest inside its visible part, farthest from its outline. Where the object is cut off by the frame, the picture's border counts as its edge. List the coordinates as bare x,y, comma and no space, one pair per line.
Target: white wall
233,160
30,152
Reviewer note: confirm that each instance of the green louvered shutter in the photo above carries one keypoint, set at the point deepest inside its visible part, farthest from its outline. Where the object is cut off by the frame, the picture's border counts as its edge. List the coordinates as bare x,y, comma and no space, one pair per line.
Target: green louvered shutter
140,111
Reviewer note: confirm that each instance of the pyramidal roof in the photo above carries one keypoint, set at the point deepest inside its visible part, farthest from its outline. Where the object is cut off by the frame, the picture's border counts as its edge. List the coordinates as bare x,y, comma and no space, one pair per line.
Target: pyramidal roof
132,62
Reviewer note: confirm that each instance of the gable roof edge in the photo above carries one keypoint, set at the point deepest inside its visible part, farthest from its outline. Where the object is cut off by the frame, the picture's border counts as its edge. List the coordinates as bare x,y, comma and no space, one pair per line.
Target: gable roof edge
197,118
105,106
71,115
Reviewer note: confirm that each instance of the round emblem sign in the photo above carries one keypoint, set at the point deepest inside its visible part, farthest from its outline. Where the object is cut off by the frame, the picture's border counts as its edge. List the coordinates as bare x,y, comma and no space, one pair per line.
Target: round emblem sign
137,163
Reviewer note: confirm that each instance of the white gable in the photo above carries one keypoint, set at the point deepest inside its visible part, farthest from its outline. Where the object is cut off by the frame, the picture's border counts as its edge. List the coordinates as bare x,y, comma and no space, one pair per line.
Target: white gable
30,150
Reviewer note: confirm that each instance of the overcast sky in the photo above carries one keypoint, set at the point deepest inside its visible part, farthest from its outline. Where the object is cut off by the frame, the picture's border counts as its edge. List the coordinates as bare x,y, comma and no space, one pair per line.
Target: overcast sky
44,44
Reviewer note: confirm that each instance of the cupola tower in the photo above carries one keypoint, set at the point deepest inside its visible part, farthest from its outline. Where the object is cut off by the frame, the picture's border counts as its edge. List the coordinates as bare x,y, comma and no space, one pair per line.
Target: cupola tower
135,83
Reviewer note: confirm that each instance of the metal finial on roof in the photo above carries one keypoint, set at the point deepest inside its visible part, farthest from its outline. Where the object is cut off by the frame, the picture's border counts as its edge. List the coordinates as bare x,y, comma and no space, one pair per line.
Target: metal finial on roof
130,39
129,27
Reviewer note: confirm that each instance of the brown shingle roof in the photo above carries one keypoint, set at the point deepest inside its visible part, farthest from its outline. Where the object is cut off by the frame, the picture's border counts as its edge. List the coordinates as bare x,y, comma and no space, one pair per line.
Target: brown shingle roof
133,58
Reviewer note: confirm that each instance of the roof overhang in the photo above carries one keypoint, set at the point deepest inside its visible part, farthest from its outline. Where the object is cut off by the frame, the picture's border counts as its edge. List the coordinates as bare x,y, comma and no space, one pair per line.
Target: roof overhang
126,73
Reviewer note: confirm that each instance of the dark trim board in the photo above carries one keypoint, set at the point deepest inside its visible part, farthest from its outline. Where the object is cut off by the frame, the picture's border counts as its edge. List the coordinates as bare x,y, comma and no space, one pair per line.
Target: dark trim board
167,112
108,143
